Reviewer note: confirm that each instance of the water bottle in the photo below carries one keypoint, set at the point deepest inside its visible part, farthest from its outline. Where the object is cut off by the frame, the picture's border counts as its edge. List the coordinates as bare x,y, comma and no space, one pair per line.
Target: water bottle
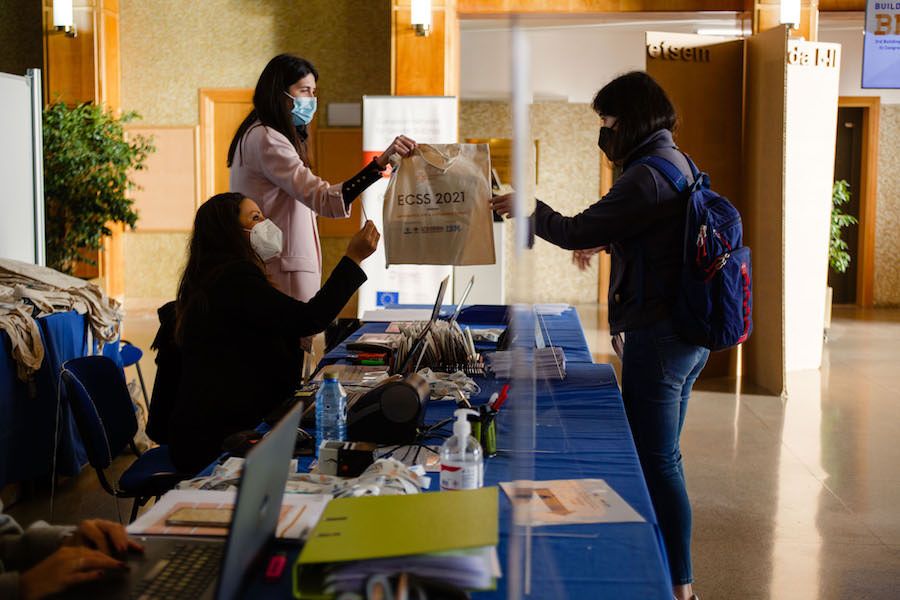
331,411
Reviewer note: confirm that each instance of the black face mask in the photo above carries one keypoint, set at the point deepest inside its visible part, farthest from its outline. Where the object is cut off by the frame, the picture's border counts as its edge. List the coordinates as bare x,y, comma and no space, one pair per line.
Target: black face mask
605,141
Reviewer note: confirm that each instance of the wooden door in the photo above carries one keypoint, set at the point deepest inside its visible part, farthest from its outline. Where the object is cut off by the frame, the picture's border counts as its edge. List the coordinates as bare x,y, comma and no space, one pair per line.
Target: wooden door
221,112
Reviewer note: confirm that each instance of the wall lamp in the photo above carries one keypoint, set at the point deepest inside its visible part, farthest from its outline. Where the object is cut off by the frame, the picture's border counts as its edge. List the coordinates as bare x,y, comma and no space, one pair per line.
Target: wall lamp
790,13
64,17
420,17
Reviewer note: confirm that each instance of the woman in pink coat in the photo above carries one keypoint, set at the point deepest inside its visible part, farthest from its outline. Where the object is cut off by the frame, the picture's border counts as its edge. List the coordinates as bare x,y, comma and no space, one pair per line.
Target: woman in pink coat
269,163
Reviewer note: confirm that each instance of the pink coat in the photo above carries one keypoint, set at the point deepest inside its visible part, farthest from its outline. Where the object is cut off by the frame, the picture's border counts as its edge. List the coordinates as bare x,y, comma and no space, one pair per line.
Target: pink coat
267,169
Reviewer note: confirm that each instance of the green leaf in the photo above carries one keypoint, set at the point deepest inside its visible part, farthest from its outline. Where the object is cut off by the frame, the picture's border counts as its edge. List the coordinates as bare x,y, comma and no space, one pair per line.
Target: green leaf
87,166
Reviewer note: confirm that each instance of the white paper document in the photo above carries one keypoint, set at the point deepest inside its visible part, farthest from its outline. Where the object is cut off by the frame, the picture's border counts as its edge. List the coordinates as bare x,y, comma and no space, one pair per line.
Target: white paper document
568,501
299,513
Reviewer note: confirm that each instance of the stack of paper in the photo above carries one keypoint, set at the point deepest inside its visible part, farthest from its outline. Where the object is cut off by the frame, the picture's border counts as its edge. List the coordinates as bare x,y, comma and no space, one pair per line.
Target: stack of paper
298,514
549,363
445,536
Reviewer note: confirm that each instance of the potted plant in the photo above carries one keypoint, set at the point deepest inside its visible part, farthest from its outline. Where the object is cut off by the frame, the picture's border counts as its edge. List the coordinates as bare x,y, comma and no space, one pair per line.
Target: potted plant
87,163
838,255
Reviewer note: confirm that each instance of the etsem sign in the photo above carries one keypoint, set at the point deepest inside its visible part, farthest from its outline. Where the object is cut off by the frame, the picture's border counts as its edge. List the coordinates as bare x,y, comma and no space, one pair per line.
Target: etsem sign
665,50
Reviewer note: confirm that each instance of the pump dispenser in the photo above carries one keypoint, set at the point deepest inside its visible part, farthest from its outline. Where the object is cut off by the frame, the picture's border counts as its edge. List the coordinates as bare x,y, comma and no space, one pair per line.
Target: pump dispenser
462,465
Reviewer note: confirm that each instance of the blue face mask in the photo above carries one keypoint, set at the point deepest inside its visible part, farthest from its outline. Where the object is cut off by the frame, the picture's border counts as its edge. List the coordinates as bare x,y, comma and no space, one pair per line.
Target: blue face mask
303,110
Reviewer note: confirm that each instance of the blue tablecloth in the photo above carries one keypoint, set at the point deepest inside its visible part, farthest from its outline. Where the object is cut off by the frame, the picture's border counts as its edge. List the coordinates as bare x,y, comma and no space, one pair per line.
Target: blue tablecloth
581,432
28,410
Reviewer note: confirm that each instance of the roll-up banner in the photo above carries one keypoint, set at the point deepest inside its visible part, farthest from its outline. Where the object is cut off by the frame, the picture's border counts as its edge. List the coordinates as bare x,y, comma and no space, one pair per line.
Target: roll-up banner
426,119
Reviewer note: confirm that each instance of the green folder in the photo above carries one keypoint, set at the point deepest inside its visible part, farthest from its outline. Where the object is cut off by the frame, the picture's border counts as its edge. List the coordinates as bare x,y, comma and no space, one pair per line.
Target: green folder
385,526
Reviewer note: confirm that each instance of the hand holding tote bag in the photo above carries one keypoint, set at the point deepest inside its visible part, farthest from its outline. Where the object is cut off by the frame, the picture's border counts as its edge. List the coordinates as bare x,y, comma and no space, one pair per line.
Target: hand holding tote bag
437,207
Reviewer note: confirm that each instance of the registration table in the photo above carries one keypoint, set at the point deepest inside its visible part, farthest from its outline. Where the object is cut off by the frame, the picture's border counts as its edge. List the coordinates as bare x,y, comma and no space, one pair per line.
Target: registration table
581,432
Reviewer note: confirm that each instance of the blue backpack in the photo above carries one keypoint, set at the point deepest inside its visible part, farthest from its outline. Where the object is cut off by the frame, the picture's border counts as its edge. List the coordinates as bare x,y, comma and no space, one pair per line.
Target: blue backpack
714,304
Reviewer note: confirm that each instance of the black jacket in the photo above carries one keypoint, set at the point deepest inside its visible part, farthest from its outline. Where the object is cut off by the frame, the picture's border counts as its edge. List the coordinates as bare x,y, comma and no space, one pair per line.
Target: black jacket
168,374
242,358
642,221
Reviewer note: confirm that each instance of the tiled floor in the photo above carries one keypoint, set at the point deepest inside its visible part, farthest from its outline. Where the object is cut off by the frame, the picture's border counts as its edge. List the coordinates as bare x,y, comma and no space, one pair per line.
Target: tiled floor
795,498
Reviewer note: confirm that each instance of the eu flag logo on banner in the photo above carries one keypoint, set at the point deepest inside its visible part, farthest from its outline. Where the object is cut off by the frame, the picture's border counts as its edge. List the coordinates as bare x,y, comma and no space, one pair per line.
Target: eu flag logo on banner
387,298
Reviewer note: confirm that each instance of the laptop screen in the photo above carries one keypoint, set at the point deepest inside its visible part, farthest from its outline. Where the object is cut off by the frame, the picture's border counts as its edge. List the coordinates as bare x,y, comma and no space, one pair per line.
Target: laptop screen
462,299
258,503
440,299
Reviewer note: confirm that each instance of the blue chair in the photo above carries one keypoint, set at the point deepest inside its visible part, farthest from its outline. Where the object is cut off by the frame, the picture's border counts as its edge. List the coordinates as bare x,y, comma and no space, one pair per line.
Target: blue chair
127,354
101,406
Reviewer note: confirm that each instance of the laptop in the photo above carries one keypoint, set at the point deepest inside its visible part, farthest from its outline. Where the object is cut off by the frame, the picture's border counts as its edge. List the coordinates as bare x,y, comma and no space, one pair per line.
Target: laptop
462,300
195,568
418,344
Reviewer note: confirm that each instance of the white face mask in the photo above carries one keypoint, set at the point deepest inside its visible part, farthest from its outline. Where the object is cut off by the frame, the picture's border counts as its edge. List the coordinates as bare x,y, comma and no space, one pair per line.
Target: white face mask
265,238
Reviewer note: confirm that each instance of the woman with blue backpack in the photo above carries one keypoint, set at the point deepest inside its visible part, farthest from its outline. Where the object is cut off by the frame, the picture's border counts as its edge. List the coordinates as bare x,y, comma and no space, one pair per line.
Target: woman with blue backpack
644,222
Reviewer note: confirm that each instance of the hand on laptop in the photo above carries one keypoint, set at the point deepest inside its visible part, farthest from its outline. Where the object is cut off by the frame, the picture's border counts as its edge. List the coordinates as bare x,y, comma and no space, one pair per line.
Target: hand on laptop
68,566
106,536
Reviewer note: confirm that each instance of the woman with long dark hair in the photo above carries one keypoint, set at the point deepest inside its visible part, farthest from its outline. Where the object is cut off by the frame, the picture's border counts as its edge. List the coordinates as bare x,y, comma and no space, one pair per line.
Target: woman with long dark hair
641,222
269,162
239,336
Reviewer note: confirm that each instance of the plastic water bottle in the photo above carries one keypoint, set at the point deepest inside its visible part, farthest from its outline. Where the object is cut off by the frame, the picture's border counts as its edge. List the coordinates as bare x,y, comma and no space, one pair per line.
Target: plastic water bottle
331,411
462,464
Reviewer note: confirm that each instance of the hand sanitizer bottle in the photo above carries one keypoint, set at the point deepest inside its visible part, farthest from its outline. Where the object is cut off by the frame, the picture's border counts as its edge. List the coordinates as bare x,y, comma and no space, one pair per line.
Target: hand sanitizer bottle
462,465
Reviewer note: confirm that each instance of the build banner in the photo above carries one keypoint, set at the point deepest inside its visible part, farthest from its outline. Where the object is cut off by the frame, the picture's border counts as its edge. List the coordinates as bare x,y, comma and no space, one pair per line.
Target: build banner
428,120
881,45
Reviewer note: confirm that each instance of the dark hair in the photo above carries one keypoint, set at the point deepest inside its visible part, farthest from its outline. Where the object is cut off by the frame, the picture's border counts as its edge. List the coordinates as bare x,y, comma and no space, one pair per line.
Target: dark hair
217,241
269,103
640,107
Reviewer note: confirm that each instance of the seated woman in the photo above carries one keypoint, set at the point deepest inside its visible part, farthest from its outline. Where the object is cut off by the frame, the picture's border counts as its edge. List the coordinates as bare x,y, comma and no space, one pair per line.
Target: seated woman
239,336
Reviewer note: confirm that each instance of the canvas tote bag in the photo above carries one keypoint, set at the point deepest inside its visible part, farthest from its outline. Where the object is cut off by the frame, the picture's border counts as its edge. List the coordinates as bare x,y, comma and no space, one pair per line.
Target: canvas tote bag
437,207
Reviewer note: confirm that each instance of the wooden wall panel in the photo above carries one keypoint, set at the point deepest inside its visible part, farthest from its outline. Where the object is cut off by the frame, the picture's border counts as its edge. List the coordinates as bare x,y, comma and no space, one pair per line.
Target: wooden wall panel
86,69
703,77
766,14
842,5
419,63
339,156
708,97
485,8
169,183
764,151
71,63
110,82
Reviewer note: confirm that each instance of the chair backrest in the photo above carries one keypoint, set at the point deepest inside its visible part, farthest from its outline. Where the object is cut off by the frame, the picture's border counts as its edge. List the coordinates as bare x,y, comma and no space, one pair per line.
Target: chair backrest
101,405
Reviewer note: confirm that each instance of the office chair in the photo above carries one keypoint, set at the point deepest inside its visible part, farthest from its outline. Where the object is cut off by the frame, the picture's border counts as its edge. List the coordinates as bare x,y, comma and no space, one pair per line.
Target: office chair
104,415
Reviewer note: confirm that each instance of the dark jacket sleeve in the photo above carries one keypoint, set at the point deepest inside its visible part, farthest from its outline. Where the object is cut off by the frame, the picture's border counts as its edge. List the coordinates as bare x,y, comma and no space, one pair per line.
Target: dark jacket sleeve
278,310
620,214
354,186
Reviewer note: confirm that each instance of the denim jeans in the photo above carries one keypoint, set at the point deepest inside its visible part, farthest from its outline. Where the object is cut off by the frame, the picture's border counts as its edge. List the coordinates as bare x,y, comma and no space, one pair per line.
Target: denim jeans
658,371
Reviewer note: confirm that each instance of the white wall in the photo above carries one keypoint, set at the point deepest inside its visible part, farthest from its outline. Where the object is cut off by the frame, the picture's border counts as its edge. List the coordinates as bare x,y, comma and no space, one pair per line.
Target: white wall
570,60
846,29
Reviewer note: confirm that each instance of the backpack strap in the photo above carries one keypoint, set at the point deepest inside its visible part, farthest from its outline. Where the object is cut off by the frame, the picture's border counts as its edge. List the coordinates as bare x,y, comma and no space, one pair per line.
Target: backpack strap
672,173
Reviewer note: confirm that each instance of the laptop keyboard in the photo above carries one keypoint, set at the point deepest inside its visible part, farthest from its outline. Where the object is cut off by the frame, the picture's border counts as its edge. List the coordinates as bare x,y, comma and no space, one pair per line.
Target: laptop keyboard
186,572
